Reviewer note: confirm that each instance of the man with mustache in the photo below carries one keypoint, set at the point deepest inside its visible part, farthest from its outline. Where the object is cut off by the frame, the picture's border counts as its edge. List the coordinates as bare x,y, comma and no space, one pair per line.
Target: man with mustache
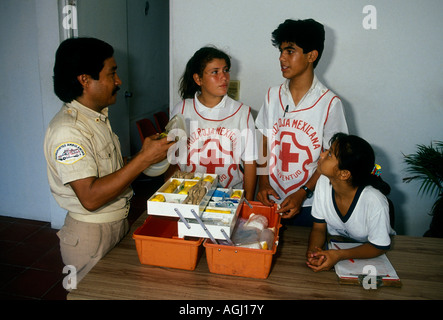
85,167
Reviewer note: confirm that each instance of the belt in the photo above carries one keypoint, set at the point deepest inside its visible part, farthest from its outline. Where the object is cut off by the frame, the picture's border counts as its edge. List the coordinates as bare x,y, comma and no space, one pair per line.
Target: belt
102,217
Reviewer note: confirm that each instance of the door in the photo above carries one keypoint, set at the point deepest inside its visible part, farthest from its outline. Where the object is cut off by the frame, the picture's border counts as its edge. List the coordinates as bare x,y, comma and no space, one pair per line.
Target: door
139,32
107,20
148,54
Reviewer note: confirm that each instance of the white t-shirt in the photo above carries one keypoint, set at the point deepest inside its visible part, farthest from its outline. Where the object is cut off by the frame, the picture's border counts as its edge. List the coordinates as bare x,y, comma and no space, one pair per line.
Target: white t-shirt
219,139
298,134
366,221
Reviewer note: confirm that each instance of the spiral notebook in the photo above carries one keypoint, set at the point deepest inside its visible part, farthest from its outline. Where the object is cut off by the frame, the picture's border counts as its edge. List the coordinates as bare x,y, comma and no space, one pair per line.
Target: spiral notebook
367,272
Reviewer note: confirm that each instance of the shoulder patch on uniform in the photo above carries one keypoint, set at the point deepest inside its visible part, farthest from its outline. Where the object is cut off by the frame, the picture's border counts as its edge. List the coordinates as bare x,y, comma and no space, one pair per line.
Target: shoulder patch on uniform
69,152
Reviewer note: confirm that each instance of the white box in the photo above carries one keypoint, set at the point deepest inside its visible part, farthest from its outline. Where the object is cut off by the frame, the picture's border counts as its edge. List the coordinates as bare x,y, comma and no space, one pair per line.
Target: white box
214,222
174,200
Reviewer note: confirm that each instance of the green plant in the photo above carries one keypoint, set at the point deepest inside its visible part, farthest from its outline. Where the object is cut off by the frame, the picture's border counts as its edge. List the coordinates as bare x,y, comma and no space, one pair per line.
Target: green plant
426,165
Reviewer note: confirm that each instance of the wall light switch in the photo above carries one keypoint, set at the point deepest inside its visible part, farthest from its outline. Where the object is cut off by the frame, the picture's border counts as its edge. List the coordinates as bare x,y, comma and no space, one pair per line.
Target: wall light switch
234,89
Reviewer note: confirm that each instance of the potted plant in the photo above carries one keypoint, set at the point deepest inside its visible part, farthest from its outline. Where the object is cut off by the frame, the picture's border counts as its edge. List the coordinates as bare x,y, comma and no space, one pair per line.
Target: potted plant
426,165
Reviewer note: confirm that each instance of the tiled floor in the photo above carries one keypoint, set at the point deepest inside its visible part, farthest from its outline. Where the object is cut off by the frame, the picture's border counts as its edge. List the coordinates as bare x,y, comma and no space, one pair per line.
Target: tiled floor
31,267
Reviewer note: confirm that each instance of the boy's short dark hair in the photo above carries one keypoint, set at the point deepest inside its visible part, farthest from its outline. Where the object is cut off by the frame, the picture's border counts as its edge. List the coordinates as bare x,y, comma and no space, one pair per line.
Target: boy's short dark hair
74,57
307,34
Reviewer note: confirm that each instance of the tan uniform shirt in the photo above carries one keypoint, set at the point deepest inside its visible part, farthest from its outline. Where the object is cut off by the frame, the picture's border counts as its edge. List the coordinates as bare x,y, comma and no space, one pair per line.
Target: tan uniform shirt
80,143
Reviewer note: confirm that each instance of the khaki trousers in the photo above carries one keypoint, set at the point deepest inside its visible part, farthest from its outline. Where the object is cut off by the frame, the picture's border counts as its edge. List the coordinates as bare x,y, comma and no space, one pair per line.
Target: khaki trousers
83,244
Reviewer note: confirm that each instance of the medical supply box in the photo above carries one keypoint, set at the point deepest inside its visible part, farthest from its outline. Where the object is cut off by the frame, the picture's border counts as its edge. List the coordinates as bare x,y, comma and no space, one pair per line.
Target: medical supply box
158,244
245,262
180,218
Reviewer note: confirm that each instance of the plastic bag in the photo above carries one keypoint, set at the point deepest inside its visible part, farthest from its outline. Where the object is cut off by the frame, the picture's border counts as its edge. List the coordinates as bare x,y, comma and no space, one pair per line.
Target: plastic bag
267,238
257,221
244,237
253,233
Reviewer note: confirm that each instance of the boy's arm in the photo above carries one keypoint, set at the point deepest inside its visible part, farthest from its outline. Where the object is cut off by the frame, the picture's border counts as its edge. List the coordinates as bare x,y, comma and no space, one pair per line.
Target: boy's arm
264,187
293,203
250,180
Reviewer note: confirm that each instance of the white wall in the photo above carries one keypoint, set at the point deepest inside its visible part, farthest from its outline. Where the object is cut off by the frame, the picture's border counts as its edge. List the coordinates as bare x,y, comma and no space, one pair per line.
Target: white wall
28,38
388,78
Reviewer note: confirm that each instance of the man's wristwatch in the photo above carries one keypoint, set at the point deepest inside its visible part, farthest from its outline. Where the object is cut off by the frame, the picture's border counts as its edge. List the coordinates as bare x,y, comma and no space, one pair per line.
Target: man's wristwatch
309,193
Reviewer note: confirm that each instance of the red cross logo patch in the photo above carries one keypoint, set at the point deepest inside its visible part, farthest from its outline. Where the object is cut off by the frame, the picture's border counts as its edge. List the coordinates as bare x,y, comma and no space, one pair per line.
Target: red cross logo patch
211,156
288,162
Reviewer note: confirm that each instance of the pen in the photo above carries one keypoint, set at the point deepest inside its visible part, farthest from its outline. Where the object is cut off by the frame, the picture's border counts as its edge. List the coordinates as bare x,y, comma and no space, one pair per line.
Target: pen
336,246
364,275
286,110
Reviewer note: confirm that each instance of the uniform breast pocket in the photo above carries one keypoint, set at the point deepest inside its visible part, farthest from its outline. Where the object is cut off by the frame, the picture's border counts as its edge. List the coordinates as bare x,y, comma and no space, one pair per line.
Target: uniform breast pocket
107,160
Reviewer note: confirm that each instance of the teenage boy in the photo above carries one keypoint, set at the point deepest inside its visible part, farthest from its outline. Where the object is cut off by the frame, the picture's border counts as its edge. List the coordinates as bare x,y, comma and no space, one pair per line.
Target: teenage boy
297,120
85,168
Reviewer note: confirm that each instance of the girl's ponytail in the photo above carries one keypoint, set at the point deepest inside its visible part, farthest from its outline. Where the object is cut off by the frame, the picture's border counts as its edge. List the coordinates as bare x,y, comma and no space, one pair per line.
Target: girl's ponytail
377,182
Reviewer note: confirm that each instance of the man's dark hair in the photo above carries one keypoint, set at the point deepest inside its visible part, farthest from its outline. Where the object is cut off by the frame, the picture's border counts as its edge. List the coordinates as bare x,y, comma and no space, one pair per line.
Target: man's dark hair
307,34
74,57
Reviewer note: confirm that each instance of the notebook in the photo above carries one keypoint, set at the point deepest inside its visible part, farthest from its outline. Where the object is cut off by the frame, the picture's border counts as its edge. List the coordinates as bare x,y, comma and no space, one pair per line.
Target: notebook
370,273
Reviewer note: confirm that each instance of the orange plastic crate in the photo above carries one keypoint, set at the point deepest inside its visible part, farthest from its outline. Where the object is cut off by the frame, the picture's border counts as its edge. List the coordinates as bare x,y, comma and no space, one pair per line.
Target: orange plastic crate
245,262
158,245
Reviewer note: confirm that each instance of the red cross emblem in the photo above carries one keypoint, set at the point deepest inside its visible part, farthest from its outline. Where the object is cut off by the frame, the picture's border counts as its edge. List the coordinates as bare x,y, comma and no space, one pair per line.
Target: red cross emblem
286,157
212,155
212,161
283,161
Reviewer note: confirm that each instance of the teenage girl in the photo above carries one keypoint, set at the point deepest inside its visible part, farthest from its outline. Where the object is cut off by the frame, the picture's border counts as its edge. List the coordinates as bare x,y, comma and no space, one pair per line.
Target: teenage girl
349,202
221,137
